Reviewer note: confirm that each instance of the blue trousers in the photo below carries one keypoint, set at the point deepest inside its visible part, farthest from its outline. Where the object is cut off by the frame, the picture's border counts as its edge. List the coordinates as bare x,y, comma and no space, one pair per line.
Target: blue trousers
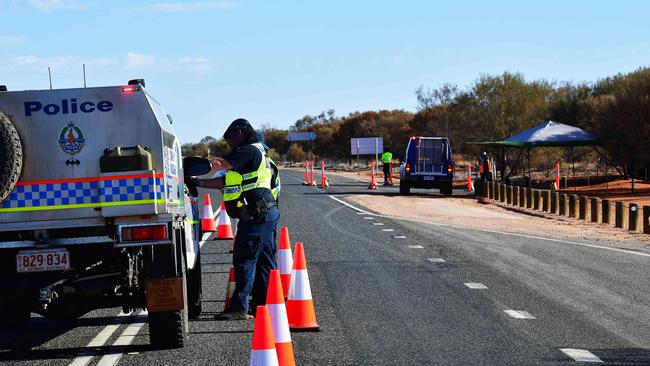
253,259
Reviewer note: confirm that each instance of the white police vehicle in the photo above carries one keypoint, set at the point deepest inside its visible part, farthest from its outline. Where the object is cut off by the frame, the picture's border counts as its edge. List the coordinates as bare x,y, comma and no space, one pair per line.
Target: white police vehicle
93,209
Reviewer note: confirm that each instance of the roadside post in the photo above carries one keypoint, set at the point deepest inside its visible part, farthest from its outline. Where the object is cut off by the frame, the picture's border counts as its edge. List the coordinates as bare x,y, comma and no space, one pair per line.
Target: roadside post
502,192
306,182
312,181
573,203
583,208
555,202
536,197
596,210
563,204
646,219
529,197
509,195
633,224
522,197
620,215
606,212
515,196
546,198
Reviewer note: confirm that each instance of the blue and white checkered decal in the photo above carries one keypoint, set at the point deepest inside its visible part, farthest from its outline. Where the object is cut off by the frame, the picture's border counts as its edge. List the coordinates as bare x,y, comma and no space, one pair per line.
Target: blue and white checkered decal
87,193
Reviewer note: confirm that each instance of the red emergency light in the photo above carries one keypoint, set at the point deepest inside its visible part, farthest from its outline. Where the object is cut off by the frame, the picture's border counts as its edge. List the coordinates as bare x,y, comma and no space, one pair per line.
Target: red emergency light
130,89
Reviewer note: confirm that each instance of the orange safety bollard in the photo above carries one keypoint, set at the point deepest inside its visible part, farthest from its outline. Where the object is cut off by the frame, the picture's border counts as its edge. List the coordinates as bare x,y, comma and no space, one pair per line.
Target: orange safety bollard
373,184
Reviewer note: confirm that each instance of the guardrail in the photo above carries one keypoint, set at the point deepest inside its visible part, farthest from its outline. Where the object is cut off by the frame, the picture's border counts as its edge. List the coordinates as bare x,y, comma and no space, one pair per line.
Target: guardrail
626,216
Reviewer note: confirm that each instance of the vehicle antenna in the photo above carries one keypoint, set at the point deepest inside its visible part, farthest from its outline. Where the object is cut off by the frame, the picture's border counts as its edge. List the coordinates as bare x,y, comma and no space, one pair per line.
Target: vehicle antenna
49,72
84,66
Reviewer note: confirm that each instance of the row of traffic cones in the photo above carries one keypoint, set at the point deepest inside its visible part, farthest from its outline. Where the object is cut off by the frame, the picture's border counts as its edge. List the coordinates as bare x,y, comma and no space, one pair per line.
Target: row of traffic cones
223,226
273,321
309,175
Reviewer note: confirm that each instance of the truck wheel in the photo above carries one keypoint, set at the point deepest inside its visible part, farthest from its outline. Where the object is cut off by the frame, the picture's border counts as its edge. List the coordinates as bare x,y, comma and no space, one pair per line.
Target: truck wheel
195,289
14,314
11,156
447,189
166,329
404,188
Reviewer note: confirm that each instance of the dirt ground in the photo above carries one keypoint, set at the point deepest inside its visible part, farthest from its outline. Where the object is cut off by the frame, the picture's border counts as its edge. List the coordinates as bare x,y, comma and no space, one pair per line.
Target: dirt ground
618,190
466,212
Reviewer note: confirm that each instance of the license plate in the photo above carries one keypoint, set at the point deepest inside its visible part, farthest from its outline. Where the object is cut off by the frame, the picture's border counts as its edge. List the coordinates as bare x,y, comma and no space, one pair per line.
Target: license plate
427,177
42,260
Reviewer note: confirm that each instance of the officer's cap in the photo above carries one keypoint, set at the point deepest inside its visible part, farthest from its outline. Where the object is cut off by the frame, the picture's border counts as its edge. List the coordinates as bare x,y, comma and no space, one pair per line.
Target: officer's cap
238,124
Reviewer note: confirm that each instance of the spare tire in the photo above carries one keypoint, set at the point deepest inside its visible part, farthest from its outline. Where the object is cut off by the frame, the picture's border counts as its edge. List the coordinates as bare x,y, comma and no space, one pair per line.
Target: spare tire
11,156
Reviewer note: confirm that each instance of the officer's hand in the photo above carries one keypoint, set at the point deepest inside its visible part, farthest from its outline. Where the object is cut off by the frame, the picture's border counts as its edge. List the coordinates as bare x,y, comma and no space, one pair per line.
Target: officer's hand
219,163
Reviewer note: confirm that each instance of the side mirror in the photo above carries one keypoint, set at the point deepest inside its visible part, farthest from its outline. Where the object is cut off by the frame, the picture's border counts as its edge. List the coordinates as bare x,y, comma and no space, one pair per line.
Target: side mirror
195,165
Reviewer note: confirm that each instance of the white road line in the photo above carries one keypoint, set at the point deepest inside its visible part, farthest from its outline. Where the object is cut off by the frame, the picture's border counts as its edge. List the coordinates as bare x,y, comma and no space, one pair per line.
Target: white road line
361,213
378,224
388,230
519,314
399,237
476,286
123,340
436,260
368,218
99,340
495,231
415,246
581,355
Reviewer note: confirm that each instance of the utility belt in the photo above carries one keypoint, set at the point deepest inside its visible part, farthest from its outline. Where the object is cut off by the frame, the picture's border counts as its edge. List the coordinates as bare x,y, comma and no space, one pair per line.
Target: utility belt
244,210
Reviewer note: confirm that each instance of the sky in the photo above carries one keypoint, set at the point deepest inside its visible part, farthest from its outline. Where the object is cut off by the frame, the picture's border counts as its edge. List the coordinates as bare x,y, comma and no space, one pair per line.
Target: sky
272,62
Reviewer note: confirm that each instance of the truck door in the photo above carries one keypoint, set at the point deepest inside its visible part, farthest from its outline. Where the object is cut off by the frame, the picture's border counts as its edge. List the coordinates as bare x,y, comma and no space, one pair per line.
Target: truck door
431,156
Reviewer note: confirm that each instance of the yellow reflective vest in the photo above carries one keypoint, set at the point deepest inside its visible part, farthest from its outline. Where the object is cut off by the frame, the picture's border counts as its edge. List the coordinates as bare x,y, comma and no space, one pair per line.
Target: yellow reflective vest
237,184
386,157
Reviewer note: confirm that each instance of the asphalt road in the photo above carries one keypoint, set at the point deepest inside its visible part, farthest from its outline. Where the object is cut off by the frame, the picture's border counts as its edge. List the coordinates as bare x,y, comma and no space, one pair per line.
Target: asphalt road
397,292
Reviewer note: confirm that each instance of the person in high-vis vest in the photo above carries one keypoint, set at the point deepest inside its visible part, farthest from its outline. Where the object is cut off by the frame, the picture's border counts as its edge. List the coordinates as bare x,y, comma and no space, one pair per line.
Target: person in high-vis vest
248,196
387,160
485,167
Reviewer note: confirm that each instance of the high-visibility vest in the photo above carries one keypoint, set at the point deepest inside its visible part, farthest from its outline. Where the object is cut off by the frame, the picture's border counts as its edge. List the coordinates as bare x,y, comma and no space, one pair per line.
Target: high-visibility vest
386,157
481,164
236,184
276,185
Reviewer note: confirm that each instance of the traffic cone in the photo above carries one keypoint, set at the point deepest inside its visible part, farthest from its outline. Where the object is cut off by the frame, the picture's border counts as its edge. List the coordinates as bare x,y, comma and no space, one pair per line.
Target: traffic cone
207,220
224,228
285,260
278,312
263,350
230,289
300,305
372,185
306,181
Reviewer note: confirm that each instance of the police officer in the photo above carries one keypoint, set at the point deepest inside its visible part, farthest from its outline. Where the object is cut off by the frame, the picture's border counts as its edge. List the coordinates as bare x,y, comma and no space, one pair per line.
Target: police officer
387,160
248,197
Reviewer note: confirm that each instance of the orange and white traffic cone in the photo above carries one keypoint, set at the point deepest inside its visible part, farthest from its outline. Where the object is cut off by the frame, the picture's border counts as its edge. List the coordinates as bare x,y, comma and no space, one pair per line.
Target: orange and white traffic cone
312,181
373,184
224,227
306,181
278,312
207,220
263,351
230,289
300,305
285,260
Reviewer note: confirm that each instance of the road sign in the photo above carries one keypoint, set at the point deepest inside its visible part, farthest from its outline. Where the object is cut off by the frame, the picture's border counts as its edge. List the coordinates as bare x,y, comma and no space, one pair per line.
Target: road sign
302,136
366,145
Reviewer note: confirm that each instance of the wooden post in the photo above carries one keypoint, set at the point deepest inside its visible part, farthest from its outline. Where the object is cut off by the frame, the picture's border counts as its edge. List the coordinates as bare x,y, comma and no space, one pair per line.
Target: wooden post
555,202
536,197
633,223
606,212
596,210
583,202
573,203
646,219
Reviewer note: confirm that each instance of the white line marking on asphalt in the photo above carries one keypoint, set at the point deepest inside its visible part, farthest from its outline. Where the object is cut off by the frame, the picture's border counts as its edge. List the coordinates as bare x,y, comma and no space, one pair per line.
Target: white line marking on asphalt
99,340
368,218
436,260
361,213
476,286
388,230
495,231
415,246
378,224
123,340
580,355
399,237
519,314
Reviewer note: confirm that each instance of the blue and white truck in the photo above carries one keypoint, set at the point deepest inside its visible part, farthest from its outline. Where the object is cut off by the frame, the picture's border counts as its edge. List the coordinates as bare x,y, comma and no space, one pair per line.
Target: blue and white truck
428,163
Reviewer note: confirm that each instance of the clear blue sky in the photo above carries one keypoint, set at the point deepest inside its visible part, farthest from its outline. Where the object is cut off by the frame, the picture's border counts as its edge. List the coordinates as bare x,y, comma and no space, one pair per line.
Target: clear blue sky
272,62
